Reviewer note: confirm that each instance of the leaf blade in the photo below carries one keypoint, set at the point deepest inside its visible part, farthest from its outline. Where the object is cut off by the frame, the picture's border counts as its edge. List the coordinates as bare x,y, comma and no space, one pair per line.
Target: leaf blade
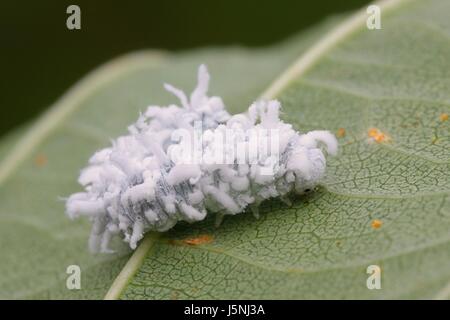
321,247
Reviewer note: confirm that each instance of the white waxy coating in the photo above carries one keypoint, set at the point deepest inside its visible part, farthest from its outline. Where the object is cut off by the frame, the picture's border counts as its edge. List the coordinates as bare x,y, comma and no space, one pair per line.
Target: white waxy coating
138,184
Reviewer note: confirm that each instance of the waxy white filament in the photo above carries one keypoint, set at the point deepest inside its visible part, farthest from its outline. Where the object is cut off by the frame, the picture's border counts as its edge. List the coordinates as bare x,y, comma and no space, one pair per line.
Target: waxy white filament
138,185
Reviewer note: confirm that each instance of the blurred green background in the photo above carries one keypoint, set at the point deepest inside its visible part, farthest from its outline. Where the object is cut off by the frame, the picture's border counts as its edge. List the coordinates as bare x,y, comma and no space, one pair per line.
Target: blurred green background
41,58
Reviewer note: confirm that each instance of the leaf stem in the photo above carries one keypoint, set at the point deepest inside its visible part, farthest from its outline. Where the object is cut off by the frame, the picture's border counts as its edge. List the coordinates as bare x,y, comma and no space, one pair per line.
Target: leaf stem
132,266
310,57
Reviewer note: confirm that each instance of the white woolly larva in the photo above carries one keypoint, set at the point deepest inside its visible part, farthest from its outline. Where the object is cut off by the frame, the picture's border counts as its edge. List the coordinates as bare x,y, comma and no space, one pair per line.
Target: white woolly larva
178,163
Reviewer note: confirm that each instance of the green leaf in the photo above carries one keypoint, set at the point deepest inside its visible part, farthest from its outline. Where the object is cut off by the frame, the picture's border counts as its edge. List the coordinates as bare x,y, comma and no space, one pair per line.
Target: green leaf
37,240
394,79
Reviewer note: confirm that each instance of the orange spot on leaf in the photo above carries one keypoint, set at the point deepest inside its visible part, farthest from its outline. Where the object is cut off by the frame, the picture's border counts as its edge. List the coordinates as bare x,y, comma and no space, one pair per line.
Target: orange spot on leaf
202,239
40,160
443,117
376,224
377,135
340,133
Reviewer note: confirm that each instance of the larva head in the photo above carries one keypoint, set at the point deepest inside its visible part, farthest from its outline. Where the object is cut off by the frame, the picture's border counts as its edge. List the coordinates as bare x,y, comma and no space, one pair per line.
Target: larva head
307,165
307,160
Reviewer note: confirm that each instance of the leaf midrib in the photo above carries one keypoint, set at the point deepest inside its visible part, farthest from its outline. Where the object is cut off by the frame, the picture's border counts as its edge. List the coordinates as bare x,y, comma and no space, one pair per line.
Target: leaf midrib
132,265
328,42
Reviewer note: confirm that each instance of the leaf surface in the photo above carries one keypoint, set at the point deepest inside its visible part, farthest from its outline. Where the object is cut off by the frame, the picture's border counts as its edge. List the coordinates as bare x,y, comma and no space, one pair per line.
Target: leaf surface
384,202
394,80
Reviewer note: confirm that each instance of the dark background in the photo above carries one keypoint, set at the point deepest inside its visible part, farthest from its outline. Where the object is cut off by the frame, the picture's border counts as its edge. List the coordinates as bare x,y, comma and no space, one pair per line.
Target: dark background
41,58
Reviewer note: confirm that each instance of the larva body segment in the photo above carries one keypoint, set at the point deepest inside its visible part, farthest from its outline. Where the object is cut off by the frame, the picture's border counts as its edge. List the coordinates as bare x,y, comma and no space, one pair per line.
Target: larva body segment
178,164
